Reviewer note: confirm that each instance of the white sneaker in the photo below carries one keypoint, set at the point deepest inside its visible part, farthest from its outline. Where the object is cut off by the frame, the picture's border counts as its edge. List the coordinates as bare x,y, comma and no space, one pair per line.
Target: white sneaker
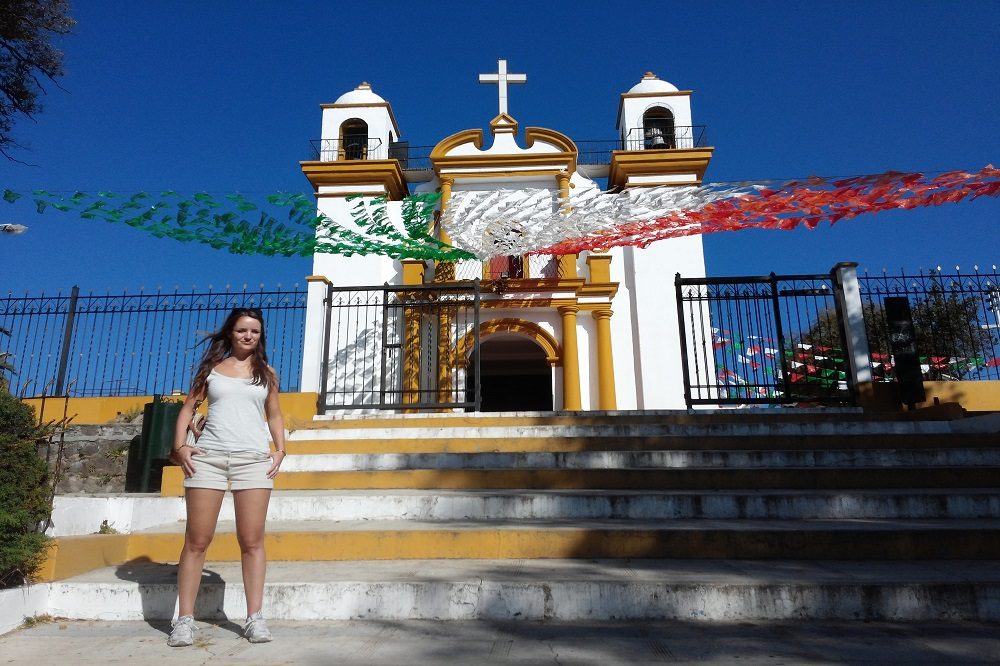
256,630
182,634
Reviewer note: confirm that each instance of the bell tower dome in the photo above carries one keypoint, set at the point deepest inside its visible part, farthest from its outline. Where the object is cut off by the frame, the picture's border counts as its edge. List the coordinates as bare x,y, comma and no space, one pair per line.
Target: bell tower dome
358,126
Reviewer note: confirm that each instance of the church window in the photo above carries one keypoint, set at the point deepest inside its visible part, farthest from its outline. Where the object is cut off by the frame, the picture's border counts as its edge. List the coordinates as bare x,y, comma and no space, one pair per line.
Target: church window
658,128
354,139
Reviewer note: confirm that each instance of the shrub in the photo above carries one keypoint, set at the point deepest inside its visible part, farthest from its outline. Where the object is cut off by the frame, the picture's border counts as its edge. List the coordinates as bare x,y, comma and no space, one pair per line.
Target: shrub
25,493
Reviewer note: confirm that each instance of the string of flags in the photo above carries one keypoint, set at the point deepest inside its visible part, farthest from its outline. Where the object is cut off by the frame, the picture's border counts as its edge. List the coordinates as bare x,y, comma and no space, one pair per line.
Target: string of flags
786,206
503,222
280,224
761,363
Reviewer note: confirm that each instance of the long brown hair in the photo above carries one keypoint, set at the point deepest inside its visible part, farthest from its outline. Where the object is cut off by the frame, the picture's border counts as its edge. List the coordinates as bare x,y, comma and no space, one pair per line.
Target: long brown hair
220,346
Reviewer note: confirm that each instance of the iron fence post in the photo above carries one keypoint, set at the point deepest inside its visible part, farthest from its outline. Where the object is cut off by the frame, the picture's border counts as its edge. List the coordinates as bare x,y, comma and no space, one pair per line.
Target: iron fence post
324,363
67,340
683,339
786,380
475,328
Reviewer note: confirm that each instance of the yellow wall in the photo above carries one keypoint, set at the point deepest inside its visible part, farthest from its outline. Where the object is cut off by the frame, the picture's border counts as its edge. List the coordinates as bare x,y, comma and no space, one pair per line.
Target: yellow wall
981,396
296,408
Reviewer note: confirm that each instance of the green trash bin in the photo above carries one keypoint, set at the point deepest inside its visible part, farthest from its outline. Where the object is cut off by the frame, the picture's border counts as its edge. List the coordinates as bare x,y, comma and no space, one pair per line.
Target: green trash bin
158,421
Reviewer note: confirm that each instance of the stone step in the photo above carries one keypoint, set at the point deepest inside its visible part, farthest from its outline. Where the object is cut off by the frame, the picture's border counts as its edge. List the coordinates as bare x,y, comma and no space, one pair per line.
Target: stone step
382,420
519,590
628,479
617,428
461,443
84,515
744,459
874,539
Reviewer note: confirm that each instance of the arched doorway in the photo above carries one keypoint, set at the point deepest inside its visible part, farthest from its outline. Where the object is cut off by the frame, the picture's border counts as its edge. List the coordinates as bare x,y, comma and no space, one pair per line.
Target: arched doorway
514,375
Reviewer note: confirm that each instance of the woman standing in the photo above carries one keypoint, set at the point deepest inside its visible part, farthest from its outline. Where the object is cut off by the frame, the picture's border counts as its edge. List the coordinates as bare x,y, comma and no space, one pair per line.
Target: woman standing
232,450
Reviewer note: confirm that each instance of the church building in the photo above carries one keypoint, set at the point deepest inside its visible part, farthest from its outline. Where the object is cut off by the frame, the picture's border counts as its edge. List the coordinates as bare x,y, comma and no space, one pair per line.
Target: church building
590,331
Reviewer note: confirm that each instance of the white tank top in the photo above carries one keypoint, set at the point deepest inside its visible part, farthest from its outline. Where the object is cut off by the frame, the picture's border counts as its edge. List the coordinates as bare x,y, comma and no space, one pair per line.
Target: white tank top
236,419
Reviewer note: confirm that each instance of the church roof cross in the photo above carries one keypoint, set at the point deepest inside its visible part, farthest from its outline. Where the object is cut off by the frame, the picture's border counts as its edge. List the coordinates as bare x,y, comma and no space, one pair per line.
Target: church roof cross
502,78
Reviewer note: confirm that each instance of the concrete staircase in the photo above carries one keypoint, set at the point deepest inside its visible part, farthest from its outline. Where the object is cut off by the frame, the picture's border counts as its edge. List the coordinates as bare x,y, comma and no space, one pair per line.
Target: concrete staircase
721,515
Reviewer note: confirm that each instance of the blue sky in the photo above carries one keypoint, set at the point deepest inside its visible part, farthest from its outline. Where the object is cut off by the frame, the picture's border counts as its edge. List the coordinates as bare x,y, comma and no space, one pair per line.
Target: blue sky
224,97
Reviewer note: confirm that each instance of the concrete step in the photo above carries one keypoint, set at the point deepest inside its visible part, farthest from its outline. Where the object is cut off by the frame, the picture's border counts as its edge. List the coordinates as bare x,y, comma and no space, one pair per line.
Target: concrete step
383,420
519,590
628,479
84,515
335,462
616,428
460,443
874,539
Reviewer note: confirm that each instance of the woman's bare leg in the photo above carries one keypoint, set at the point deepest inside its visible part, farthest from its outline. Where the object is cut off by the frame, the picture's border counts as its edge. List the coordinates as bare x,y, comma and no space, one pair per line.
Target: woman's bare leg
203,506
251,511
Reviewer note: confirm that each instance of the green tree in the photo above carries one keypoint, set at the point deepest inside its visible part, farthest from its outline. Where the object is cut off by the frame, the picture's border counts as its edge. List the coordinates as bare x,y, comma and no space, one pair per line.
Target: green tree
5,366
27,58
25,492
946,323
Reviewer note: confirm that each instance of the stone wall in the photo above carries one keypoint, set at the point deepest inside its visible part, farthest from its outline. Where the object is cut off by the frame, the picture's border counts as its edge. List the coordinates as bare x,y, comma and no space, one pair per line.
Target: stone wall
94,457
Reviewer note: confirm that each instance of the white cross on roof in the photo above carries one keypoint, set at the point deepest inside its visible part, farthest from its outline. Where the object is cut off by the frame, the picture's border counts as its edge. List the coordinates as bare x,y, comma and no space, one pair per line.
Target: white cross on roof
502,78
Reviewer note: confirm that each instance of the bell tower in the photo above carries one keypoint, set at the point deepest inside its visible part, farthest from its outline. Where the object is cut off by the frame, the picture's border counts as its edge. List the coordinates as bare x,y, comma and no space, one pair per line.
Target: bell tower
659,143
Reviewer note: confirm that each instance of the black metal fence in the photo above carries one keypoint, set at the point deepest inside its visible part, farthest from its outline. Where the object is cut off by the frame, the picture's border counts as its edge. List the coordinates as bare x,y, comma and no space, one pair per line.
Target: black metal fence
775,339
956,320
401,347
348,148
591,152
135,344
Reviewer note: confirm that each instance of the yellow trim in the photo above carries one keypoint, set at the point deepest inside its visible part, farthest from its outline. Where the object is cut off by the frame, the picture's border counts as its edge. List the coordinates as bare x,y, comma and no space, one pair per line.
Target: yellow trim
628,163
607,399
544,339
972,396
71,556
571,359
503,123
333,195
387,173
501,162
447,144
600,268
559,161
437,542
318,278
94,411
559,139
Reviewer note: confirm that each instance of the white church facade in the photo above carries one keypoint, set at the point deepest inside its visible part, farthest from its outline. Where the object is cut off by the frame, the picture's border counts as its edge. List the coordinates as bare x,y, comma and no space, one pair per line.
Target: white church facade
591,331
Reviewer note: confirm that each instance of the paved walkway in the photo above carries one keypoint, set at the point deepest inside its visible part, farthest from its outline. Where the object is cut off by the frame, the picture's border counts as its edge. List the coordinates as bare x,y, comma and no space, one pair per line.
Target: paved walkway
412,643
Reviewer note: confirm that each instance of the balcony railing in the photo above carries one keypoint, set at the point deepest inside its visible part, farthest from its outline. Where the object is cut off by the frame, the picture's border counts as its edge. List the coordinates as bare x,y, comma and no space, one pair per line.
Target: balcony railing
517,267
335,150
596,152
638,138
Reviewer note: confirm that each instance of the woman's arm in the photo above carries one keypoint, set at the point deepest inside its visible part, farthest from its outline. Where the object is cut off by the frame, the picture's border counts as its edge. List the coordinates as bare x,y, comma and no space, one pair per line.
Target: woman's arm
275,424
181,452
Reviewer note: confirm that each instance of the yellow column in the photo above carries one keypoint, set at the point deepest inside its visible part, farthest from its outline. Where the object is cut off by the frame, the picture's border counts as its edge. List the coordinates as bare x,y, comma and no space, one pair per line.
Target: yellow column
413,273
571,358
605,361
567,262
444,271
446,362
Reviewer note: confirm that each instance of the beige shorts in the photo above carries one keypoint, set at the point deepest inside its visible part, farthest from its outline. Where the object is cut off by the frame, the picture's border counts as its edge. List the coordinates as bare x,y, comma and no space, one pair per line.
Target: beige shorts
238,470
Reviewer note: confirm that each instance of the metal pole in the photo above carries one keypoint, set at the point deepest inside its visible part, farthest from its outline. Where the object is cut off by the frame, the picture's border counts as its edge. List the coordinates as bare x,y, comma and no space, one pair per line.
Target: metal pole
478,388
683,339
325,361
67,340
776,304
